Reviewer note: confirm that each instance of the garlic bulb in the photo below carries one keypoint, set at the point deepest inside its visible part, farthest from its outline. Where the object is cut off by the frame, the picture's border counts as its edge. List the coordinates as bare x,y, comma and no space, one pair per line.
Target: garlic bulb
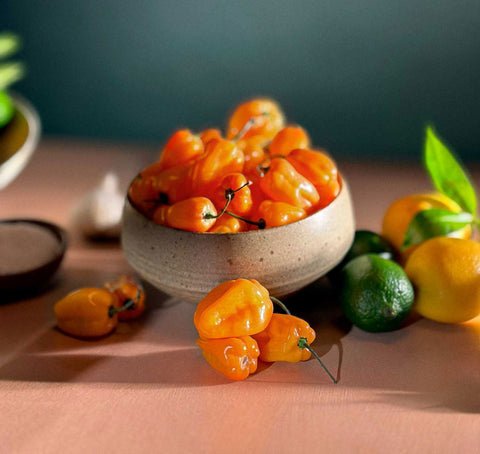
98,214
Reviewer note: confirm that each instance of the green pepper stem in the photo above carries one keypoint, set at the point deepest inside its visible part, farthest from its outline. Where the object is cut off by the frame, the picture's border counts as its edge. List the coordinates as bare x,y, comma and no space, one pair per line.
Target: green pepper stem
303,344
279,303
128,304
224,209
260,223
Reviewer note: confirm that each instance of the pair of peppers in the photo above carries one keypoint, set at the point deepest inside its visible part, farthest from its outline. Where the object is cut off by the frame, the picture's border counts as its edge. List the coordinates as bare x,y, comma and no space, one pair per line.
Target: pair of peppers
92,312
237,327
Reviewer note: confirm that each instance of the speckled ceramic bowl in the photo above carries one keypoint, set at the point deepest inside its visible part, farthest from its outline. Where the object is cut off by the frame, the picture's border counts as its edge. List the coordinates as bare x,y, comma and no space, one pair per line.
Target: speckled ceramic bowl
284,259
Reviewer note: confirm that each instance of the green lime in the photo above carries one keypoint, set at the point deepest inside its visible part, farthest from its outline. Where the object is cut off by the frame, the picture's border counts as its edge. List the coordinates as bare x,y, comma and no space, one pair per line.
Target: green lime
364,242
367,242
6,109
376,294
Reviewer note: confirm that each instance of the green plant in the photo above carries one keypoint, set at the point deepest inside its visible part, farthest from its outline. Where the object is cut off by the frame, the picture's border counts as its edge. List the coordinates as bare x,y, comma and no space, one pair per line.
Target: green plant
450,179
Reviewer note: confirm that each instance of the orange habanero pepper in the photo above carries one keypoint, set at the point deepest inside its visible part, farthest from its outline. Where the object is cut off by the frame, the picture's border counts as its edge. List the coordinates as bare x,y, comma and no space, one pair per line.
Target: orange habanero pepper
88,312
127,290
287,338
236,358
268,116
283,183
229,224
288,139
254,153
234,308
220,157
234,186
279,213
195,214
181,148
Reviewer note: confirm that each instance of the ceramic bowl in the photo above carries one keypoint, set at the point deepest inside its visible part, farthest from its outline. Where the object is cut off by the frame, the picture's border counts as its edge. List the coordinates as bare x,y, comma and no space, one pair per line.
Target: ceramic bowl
284,259
29,280
18,140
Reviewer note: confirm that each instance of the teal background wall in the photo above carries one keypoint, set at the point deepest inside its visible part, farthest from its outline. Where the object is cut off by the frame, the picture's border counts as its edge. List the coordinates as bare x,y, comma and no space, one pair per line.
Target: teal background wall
363,77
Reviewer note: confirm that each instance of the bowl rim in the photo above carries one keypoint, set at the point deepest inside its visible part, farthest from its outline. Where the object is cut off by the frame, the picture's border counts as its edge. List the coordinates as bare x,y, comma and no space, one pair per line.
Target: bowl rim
59,233
343,187
19,159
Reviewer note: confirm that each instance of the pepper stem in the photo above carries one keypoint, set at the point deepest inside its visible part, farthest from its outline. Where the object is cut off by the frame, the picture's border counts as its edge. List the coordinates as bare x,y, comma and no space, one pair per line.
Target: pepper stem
303,344
260,223
279,303
247,126
128,304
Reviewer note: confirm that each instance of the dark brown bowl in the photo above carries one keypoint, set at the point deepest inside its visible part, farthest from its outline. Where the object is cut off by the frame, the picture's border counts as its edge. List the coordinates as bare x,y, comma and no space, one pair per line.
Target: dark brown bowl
36,278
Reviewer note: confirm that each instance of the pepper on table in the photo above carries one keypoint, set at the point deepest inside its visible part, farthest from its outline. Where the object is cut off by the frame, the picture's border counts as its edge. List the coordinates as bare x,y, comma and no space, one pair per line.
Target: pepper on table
230,320
234,357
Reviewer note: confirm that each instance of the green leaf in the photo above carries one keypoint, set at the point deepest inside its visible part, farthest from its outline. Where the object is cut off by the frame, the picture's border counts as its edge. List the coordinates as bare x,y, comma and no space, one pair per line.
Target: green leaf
447,174
435,222
9,44
10,73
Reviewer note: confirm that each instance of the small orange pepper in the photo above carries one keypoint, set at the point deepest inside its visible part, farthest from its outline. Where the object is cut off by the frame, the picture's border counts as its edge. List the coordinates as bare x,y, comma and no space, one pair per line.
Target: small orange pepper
234,186
268,116
279,341
236,358
283,183
195,214
279,213
234,308
287,338
181,148
126,289
88,312
143,194
254,152
316,166
288,139
228,224
220,157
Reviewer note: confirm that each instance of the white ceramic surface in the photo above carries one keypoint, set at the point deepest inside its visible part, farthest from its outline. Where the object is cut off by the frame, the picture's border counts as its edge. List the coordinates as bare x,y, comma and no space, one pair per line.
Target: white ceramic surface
284,259
29,138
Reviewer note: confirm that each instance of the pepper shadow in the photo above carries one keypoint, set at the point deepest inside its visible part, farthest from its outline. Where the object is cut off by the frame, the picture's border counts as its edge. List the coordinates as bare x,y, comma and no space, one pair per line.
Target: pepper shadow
170,368
318,305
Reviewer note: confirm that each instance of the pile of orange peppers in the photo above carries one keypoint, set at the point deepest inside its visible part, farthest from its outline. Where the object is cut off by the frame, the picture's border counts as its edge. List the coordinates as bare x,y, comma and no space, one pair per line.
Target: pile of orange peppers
237,326
262,174
92,312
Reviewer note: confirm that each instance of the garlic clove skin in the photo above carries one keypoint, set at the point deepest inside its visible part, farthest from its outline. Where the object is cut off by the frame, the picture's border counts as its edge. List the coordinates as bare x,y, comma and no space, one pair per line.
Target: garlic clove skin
98,214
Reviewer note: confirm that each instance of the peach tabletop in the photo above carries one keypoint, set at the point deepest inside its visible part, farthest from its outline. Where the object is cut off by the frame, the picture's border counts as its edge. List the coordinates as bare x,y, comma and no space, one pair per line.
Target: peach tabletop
146,388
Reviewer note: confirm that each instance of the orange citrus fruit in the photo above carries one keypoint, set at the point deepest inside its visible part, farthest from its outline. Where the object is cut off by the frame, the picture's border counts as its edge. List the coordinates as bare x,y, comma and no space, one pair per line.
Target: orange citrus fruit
445,273
401,212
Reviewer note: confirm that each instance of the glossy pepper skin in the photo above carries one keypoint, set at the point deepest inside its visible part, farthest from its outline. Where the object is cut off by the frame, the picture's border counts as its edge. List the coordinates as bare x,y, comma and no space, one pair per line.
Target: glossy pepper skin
234,308
220,157
279,341
317,166
228,224
241,202
269,119
283,183
254,153
195,214
126,288
279,213
236,357
86,313
181,148
288,139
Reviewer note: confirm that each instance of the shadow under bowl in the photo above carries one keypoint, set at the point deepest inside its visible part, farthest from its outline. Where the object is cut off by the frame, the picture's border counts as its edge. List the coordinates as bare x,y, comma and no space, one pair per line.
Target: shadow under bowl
18,140
25,282
284,259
